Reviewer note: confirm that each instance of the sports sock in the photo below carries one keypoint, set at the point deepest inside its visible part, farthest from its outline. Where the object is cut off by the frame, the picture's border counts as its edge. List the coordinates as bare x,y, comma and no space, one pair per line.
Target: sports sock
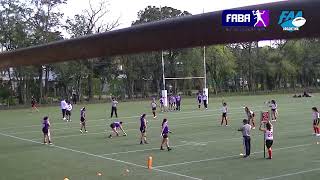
315,130
318,130
270,153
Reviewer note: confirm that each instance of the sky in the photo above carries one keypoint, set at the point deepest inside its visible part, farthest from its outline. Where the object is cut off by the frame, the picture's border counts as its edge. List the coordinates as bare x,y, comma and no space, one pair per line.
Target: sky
126,10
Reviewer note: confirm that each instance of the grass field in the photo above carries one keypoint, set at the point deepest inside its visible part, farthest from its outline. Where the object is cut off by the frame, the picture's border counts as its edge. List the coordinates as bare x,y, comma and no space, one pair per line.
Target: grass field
202,149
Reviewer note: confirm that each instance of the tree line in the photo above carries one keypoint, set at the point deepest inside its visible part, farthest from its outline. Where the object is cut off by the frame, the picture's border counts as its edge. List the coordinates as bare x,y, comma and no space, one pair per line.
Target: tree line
229,67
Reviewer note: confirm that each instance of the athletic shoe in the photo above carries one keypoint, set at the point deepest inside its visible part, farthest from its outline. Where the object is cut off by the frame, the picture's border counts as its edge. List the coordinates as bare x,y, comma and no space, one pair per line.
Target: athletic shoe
81,131
85,131
155,117
141,142
110,136
161,148
50,143
269,157
227,125
253,128
274,120
169,149
318,135
245,156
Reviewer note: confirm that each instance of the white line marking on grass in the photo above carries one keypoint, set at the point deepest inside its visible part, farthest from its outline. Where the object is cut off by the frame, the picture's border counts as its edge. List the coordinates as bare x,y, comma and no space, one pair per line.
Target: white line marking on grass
290,174
102,157
180,145
136,116
226,157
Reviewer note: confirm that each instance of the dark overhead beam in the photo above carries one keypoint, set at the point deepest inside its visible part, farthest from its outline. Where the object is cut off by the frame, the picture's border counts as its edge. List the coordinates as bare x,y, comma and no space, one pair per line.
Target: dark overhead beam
190,31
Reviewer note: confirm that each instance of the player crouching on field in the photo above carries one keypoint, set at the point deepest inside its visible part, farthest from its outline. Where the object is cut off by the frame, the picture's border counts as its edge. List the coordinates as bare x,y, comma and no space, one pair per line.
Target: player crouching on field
46,130
164,134
115,126
268,137
251,116
315,118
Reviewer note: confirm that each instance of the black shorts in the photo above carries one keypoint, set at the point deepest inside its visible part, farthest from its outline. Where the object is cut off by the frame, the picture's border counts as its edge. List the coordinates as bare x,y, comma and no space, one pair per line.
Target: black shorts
199,101
45,131
83,120
315,122
269,143
165,135
142,129
68,113
224,114
154,109
273,110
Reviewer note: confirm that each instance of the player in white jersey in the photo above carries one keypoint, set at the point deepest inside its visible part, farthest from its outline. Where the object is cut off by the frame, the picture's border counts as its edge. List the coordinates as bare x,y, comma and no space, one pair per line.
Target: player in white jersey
268,137
274,110
68,111
315,119
224,111
251,117
154,108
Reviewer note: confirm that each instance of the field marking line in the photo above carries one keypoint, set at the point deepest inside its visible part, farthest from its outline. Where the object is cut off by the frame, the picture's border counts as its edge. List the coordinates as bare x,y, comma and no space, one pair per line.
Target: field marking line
104,126
68,128
174,125
187,144
128,117
99,156
226,157
289,174
180,145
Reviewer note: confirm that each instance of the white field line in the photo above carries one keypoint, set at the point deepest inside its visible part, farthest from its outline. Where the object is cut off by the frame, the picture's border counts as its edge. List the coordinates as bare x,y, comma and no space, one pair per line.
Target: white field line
127,130
290,174
68,128
188,143
99,156
129,117
226,157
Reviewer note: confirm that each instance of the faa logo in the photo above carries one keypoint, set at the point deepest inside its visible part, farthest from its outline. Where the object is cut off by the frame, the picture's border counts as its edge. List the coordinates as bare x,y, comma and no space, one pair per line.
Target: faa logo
291,20
247,18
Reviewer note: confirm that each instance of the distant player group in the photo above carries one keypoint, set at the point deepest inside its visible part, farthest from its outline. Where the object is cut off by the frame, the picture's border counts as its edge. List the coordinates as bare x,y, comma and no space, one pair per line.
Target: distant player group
175,105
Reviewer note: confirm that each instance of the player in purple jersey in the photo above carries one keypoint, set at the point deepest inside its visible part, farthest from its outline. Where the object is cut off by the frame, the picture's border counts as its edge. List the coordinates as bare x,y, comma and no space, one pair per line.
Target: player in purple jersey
116,126
161,100
164,134
205,100
143,128
199,98
178,102
171,103
83,120
46,130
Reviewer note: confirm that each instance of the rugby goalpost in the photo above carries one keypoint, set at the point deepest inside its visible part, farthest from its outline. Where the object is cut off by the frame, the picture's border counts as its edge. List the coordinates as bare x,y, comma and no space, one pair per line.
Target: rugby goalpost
164,92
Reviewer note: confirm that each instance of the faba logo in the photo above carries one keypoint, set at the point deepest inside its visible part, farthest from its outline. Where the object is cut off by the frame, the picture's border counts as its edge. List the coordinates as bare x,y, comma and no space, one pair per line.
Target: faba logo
247,18
291,20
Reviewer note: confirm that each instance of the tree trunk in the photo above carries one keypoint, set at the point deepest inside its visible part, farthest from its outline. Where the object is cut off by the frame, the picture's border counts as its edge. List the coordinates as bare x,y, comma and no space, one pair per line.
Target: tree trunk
46,85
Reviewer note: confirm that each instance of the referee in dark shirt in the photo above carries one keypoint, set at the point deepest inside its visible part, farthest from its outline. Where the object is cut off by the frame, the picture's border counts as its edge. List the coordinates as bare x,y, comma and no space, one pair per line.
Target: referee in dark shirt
245,129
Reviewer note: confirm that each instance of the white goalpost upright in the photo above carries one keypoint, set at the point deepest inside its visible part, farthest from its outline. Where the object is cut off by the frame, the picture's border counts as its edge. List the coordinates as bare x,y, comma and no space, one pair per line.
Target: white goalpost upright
164,92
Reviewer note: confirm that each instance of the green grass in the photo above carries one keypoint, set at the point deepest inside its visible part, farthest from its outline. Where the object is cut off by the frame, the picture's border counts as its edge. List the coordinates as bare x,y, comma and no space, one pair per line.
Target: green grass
201,148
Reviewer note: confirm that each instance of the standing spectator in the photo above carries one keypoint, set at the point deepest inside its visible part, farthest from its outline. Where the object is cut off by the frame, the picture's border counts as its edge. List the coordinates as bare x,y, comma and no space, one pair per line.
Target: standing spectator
74,96
245,129
34,104
114,104
178,101
63,106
